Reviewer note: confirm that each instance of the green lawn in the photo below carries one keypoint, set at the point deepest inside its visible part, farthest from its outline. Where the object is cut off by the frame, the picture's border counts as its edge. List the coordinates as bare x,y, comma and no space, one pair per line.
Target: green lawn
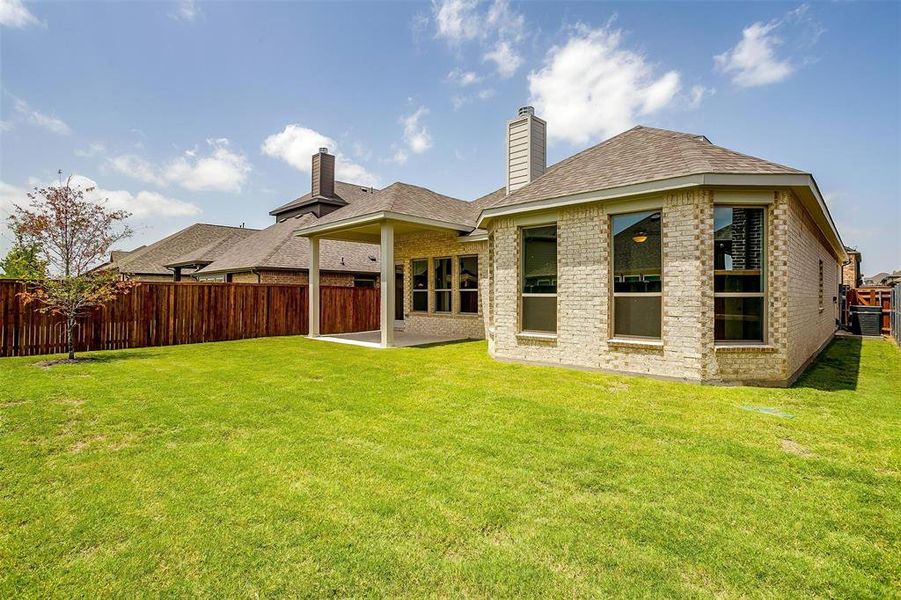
282,466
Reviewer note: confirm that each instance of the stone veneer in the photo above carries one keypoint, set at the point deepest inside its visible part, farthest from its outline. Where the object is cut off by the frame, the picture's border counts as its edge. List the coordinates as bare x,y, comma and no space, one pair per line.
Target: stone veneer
431,245
796,326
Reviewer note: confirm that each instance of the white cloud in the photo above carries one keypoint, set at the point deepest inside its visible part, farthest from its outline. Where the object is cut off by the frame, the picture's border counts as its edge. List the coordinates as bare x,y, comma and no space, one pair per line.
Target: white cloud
499,30
506,59
10,196
137,168
141,205
186,11
50,123
91,151
296,145
592,87
458,101
753,61
400,156
457,20
7,125
222,170
14,14
697,94
463,78
416,135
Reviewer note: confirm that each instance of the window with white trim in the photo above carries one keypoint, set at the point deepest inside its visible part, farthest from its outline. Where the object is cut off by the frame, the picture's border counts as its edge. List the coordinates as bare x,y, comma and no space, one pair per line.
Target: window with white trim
738,278
469,284
637,275
420,269
538,309
443,283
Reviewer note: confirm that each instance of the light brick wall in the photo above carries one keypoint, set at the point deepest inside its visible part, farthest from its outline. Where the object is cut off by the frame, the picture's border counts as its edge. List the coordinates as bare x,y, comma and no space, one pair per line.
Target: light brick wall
795,327
809,324
431,245
296,277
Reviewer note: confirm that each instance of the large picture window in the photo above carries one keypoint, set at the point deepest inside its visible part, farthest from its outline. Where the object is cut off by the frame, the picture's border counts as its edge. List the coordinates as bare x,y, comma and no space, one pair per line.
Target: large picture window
420,285
442,285
539,279
469,284
637,275
738,276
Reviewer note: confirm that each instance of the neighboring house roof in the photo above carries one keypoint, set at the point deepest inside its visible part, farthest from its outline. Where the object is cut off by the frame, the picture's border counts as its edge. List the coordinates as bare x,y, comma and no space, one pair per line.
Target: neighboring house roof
345,193
152,259
276,247
409,201
639,155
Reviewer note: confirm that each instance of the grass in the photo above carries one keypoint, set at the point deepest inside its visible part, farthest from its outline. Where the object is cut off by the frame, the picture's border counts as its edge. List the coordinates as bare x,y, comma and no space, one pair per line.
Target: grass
282,466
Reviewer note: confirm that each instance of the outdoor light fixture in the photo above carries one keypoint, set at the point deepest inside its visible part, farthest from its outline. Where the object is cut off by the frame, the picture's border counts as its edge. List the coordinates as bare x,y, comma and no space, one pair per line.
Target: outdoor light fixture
640,237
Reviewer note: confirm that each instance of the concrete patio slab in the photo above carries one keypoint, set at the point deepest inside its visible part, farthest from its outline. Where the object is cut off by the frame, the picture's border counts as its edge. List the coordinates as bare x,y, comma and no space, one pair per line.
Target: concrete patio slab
372,339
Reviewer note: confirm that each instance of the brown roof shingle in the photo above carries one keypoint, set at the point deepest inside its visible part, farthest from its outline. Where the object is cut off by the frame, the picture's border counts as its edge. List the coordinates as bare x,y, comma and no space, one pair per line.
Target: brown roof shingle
153,258
410,200
348,193
276,247
639,155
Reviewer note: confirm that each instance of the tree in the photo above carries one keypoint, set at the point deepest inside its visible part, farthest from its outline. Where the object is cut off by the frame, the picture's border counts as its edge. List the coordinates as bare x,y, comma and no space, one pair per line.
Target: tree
73,234
23,261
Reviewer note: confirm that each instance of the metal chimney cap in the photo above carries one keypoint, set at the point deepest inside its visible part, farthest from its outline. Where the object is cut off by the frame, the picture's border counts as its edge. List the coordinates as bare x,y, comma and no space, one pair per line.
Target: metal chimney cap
526,110
323,150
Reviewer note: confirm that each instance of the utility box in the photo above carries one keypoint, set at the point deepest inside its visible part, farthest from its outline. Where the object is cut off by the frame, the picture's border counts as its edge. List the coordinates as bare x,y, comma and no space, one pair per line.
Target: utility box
866,320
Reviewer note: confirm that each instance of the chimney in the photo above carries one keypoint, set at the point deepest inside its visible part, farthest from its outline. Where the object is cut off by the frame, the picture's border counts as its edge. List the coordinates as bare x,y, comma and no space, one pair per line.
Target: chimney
526,148
323,174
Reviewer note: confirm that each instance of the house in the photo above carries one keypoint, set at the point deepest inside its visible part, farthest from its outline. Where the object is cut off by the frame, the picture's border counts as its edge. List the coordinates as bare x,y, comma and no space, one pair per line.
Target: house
276,255
178,255
882,279
851,275
654,252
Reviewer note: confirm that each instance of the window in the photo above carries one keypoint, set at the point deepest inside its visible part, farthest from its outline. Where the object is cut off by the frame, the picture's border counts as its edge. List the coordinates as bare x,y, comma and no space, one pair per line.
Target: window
738,277
364,281
420,285
637,281
539,279
442,285
821,286
469,284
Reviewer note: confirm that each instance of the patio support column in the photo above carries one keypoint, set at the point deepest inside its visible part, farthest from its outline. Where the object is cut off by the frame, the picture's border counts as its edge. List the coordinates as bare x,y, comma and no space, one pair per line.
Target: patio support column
386,308
313,288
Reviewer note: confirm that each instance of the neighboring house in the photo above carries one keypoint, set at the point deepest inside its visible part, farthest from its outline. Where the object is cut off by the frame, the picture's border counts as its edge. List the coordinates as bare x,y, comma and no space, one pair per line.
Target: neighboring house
883,279
851,275
653,252
177,256
276,255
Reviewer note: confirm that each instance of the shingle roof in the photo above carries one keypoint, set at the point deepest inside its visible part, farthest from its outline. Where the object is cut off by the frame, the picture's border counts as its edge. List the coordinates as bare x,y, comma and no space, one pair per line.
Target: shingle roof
639,155
276,247
406,199
348,193
152,259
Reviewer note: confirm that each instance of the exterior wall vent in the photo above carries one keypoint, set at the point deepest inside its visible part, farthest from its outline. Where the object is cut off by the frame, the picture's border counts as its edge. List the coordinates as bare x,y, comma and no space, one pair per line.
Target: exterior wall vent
526,148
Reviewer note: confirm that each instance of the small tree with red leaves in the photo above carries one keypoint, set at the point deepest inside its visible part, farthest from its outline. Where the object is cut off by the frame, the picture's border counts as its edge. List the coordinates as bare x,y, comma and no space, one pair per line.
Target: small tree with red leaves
74,234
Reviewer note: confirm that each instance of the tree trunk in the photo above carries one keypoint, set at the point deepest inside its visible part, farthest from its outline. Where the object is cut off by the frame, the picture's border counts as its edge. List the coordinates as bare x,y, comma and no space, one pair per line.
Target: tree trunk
70,337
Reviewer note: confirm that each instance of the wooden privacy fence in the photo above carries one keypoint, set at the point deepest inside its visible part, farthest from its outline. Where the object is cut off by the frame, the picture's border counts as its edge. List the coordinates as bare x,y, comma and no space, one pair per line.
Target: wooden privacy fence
164,314
871,296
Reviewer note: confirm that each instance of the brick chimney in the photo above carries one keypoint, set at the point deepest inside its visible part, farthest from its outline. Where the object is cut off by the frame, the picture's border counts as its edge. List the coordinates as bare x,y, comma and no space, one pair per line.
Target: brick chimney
323,174
526,148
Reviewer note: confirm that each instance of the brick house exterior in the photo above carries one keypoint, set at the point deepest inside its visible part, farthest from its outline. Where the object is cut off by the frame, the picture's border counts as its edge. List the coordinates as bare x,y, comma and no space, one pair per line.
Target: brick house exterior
749,300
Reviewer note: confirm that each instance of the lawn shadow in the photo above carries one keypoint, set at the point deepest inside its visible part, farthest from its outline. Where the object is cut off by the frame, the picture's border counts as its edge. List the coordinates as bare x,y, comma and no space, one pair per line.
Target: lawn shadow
88,358
837,368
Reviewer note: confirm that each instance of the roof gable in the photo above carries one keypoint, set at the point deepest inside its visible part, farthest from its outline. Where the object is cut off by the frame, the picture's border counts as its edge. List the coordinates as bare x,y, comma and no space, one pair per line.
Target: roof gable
152,259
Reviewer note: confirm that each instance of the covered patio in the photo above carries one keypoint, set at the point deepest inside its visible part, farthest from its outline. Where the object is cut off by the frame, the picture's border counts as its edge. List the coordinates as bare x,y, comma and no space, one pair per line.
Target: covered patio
379,223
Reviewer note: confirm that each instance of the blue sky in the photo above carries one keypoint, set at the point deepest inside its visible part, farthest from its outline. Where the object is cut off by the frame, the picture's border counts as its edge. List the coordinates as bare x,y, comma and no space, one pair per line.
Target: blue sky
209,111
